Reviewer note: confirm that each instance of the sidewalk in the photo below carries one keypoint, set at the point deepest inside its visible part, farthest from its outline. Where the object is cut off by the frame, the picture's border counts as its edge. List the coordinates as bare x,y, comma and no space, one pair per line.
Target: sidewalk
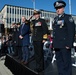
3,69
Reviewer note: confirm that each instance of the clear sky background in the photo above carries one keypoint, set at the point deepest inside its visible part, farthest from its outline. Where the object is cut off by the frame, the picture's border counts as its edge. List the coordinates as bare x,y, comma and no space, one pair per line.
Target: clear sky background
40,4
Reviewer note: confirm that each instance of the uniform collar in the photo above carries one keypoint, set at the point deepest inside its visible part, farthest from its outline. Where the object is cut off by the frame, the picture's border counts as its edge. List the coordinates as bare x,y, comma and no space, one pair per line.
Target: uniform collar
37,18
61,15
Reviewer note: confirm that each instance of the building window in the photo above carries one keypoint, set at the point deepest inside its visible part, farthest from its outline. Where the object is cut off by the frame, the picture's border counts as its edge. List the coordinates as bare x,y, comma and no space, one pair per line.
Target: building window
7,10
17,20
20,11
29,12
51,15
43,14
17,11
48,15
7,20
10,20
25,12
12,10
13,19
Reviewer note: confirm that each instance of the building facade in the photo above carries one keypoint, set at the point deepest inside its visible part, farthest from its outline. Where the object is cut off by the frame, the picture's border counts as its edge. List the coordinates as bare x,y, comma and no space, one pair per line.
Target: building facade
10,14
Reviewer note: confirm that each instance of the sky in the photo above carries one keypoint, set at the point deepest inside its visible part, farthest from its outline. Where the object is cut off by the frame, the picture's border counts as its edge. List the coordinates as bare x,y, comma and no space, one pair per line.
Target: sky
40,4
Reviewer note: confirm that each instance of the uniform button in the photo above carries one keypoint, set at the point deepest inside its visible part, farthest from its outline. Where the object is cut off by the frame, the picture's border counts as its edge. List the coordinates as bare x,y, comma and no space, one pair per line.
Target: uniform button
64,38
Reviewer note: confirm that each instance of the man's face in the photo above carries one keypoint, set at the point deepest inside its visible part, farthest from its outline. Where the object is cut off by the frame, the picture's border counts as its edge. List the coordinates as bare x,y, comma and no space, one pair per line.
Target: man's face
37,16
59,10
13,25
18,25
23,19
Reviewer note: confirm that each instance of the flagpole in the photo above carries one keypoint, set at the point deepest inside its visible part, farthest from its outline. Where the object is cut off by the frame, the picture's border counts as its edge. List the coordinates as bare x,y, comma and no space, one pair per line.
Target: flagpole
70,7
34,4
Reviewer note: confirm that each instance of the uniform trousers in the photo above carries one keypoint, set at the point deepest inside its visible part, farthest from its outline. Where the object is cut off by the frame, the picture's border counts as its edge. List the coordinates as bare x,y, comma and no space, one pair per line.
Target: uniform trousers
64,64
39,56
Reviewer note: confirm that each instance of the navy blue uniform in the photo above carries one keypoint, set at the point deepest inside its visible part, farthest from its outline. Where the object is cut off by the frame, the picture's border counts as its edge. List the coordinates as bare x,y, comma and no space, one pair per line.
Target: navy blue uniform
63,31
40,31
63,36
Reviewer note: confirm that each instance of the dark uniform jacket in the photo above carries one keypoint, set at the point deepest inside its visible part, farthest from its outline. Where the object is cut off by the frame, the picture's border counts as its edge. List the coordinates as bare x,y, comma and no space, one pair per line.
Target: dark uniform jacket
63,31
40,30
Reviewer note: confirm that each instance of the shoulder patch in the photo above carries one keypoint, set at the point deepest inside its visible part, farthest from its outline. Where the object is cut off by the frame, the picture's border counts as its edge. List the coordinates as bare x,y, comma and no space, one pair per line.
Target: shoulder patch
71,19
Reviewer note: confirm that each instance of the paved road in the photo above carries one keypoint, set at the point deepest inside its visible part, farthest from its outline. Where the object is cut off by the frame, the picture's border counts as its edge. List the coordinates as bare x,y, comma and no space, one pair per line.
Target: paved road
3,69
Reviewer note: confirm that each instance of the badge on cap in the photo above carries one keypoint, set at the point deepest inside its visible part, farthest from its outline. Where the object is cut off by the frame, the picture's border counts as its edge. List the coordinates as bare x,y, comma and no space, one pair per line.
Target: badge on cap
57,3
